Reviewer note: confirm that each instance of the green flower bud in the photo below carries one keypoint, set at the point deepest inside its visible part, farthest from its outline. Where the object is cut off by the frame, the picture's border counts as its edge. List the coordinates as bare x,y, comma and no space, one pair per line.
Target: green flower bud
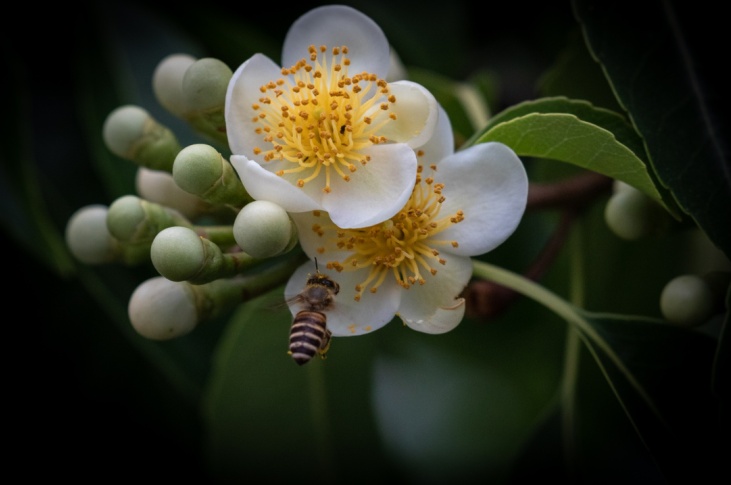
180,254
160,309
88,238
632,215
131,133
263,229
201,170
134,220
167,83
160,188
205,83
687,300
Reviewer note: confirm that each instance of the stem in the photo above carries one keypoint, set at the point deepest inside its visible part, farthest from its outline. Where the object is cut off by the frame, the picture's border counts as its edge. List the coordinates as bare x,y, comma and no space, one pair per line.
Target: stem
572,315
486,299
574,192
571,357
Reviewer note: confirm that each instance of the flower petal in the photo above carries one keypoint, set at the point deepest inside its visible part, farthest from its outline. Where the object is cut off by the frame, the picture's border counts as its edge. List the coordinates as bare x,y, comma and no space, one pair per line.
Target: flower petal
442,321
376,191
243,92
335,26
264,185
489,184
417,112
348,317
440,145
420,302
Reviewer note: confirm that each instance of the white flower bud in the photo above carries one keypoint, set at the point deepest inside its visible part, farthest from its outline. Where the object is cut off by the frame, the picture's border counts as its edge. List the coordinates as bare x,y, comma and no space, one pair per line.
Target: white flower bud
167,83
263,229
159,187
633,215
87,236
160,309
123,129
687,300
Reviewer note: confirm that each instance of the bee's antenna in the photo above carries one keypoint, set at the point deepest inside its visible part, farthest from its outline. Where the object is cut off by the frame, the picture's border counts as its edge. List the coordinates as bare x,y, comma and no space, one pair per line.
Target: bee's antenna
316,268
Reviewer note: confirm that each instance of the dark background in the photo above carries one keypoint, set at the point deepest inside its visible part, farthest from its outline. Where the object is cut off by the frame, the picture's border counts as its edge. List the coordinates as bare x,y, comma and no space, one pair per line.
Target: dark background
77,406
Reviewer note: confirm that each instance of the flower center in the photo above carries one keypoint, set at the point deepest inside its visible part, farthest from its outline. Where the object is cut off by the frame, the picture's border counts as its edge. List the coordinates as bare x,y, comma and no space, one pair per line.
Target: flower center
318,118
403,246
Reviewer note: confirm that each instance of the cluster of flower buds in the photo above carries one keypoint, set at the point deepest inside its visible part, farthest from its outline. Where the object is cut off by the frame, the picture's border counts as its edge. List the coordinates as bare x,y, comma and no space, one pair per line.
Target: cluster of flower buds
687,300
191,217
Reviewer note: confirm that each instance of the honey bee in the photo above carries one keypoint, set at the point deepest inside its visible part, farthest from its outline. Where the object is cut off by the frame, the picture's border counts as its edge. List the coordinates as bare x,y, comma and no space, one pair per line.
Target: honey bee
309,334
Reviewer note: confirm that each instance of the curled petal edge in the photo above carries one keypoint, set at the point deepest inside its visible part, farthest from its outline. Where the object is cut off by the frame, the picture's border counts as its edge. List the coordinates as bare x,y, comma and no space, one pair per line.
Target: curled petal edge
443,320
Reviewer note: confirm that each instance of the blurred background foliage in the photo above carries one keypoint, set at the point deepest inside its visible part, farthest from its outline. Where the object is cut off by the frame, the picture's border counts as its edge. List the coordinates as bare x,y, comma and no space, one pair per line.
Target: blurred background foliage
93,399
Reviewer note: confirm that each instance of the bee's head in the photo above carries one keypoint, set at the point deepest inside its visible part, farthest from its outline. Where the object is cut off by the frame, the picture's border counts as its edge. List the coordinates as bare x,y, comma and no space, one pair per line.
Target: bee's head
320,279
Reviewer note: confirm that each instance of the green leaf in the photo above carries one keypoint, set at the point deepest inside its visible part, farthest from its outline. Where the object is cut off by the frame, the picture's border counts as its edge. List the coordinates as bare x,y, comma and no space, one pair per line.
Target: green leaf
575,74
574,132
650,65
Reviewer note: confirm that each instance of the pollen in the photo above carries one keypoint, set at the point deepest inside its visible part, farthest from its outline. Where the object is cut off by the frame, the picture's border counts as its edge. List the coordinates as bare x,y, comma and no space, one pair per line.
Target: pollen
323,117
404,247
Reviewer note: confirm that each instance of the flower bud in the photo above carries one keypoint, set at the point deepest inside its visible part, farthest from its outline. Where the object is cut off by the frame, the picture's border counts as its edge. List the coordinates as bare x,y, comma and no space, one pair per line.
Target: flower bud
159,187
205,83
180,254
160,309
201,170
135,220
87,235
687,300
263,229
131,133
632,215
167,83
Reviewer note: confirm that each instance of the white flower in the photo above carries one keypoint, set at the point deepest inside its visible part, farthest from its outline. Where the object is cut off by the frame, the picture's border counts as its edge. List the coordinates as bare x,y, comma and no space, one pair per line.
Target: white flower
326,131
416,263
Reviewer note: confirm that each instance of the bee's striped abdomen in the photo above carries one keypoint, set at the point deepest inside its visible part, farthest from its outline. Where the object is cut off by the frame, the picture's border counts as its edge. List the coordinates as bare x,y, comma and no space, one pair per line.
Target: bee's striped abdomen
308,336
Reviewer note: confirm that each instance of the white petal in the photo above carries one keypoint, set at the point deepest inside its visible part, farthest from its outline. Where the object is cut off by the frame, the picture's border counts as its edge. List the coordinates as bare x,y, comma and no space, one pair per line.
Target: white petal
442,321
419,302
489,184
440,145
376,191
417,112
243,92
348,317
335,26
264,185
311,241
396,70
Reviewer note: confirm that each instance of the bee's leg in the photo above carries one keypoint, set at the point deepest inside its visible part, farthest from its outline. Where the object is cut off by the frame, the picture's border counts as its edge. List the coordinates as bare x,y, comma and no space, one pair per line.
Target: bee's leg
325,345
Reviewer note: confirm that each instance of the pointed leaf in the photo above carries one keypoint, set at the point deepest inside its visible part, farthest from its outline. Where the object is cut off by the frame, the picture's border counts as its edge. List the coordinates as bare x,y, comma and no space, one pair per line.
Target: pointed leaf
567,138
649,62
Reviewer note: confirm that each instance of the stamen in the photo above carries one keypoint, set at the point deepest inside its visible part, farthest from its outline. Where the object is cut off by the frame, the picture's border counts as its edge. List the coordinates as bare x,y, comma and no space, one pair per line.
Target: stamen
319,115
403,246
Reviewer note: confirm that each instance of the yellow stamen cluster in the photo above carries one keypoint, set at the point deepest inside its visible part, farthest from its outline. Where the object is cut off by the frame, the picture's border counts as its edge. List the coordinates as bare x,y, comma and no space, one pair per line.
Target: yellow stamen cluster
403,246
320,118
